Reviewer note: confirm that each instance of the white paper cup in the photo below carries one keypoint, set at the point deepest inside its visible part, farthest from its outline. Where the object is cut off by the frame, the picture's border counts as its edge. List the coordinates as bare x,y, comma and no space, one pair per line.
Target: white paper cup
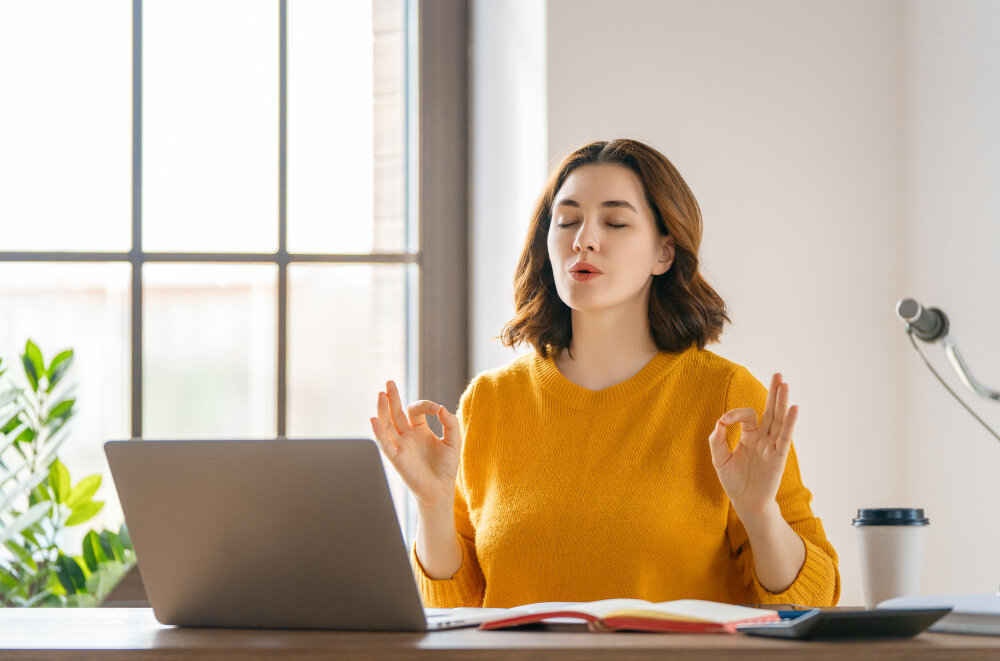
891,546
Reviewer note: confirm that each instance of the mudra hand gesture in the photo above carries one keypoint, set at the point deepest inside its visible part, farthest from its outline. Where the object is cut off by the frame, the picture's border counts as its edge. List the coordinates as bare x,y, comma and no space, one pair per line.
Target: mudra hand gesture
751,473
428,464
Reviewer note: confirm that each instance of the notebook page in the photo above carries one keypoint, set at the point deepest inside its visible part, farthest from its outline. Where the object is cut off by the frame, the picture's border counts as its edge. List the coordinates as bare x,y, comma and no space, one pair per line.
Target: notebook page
595,608
696,610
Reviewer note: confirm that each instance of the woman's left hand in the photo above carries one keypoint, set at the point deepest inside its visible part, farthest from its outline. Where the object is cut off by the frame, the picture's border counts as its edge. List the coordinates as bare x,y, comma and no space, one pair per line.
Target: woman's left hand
751,473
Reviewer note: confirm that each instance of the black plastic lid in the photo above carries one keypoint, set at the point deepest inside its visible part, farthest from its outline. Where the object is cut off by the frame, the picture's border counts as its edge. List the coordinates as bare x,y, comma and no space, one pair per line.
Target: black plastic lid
891,516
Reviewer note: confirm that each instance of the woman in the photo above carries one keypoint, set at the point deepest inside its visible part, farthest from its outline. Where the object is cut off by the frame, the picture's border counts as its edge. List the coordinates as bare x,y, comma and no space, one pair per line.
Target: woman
621,458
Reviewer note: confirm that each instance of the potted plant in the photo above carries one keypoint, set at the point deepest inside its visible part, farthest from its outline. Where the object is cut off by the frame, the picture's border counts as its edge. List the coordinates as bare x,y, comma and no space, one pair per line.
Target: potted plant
38,499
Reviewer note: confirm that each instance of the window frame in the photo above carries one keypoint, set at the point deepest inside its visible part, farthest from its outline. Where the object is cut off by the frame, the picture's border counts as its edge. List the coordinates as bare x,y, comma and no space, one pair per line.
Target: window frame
436,183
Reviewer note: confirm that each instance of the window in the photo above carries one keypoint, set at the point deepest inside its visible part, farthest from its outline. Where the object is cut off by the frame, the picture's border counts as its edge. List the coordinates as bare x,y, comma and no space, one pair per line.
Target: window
217,204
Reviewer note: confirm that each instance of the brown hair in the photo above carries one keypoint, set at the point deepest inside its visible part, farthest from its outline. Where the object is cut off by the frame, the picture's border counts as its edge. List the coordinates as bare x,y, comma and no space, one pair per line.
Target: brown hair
683,308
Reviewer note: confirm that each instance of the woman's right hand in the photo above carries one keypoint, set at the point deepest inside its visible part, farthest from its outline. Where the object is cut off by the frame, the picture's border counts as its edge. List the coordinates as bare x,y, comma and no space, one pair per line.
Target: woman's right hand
427,464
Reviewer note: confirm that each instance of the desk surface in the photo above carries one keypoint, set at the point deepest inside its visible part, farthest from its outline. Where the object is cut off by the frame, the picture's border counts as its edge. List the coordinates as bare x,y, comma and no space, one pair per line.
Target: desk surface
126,633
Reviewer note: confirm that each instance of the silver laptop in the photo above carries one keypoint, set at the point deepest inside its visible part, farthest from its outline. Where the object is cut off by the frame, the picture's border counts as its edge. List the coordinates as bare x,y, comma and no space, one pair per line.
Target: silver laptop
296,534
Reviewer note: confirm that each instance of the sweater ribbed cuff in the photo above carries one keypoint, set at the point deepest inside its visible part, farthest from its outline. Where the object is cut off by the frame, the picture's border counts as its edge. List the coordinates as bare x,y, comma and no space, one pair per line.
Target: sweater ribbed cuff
465,588
815,585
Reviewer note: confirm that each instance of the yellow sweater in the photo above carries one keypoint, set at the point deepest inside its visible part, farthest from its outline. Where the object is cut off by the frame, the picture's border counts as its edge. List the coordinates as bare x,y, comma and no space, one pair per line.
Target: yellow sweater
570,494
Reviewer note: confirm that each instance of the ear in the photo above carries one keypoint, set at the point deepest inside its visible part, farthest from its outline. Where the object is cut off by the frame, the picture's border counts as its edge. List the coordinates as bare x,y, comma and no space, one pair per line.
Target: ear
666,257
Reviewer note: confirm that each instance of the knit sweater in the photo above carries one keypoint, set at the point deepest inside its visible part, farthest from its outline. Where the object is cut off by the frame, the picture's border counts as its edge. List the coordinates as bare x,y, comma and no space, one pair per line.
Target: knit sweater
569,494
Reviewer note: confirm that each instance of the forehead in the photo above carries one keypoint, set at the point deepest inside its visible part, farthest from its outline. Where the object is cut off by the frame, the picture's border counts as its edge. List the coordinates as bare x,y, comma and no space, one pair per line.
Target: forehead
594,183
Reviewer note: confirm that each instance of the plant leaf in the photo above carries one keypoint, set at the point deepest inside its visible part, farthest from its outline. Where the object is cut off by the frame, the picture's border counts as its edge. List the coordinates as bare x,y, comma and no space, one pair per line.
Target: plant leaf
40,493
58,367
38,597
84,490
22,554
29,518
71,574
54,427
19,481
51,448
119,550
112,546
34,365
27,435
63,409
12,424
20,487
8,582
84,512
54,440
124,537
93,554
53,584
59,480
29,535
10,440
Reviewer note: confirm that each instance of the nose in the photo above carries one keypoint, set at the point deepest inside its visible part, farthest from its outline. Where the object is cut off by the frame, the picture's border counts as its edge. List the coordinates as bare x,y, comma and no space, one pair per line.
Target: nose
585,239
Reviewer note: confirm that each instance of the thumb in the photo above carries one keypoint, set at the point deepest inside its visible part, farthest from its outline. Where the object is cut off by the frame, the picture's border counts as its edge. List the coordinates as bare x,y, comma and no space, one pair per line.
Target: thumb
452,430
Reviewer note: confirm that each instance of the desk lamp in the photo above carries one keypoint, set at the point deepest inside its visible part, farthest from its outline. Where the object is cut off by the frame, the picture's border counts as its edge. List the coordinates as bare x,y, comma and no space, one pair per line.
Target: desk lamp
931,326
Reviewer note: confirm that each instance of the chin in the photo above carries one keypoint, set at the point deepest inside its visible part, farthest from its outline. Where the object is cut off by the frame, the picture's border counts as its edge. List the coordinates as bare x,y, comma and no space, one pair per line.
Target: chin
584,300
586,303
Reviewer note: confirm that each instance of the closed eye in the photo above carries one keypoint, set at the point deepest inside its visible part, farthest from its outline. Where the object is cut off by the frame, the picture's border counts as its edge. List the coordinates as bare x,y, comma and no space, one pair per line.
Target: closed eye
610,224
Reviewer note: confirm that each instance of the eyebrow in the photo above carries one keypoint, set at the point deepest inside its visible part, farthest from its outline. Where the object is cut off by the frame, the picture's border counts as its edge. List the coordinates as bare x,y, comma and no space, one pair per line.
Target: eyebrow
621,204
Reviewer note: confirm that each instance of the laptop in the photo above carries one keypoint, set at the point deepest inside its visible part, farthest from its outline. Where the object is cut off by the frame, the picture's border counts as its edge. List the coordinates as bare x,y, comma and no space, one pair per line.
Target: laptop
298,534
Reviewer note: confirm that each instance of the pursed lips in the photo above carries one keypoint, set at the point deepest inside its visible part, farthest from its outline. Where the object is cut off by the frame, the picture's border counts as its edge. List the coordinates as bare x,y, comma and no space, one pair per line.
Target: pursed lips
584,269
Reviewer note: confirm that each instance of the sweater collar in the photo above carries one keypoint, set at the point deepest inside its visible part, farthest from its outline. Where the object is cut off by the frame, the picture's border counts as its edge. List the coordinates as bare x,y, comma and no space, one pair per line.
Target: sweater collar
544,371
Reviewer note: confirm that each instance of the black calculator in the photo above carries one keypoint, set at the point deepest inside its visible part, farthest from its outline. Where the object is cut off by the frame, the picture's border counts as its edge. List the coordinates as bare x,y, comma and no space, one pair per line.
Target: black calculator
820,623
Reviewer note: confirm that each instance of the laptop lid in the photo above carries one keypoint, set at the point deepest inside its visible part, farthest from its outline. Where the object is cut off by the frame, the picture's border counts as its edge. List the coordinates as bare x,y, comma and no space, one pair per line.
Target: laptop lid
266,533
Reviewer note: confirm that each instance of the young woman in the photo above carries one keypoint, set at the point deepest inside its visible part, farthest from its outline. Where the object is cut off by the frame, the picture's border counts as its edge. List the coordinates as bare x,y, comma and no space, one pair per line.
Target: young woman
621,458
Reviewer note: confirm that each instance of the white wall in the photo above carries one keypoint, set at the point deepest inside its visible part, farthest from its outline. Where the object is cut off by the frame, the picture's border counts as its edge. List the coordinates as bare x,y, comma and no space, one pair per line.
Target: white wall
951,209
815,136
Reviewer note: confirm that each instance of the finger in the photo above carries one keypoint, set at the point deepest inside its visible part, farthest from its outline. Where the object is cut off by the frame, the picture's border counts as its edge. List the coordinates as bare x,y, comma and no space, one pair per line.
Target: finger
718,445
452,431
388,447
780,411
747,418
383,416
772,393
416,411
785,438
396,408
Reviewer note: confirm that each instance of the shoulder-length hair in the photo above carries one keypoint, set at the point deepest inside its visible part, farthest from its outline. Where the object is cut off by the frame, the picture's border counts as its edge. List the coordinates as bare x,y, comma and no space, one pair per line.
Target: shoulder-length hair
683,308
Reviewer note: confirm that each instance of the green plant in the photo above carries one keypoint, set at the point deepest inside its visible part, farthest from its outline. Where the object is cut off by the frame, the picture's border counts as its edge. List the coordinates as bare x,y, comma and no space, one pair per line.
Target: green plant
38,499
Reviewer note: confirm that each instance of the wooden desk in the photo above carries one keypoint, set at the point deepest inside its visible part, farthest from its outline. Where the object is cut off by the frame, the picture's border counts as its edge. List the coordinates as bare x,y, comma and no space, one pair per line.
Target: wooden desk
131,633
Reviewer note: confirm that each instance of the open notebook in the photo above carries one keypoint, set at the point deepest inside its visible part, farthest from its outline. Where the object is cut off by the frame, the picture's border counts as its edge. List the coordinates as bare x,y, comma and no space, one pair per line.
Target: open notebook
682,615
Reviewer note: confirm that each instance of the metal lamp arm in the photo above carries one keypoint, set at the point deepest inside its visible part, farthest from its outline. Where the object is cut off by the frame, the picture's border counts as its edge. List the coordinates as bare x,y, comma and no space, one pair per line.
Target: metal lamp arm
962,369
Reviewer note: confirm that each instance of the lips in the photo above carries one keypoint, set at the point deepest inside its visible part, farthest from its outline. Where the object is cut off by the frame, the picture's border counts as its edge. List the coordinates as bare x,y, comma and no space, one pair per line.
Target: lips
584,267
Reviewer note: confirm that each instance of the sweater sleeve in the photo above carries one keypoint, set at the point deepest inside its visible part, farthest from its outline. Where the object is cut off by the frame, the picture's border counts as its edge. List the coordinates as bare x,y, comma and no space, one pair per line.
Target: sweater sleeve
818,580
467,586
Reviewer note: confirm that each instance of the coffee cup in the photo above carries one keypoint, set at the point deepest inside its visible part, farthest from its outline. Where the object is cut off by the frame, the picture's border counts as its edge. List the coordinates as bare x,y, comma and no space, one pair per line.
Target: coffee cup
891,544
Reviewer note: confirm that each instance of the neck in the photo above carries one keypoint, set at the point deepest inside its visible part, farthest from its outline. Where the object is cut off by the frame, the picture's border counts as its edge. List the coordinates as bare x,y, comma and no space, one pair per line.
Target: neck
609,345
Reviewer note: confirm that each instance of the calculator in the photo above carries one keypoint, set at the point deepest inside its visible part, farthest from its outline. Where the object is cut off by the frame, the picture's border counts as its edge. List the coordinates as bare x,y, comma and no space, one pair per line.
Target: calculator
820,623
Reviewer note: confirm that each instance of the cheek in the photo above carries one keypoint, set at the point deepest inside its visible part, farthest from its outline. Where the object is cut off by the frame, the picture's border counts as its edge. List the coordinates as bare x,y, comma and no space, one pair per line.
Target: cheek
554,246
